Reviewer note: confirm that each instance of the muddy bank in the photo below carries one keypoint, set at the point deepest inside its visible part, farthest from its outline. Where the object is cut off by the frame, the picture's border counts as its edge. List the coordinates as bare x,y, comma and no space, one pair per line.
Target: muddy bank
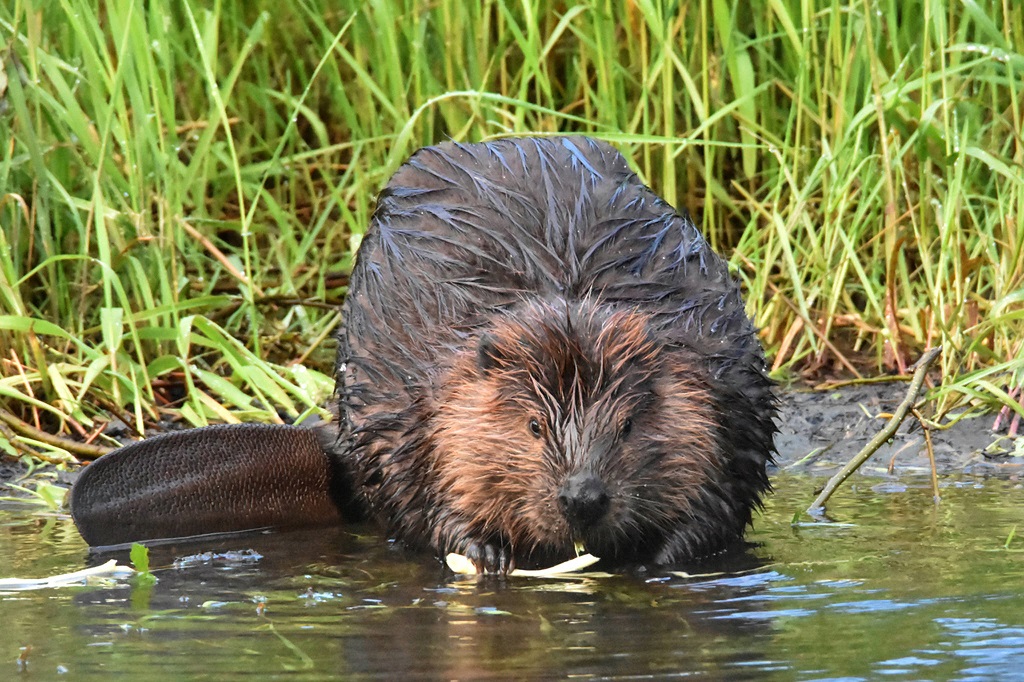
822,430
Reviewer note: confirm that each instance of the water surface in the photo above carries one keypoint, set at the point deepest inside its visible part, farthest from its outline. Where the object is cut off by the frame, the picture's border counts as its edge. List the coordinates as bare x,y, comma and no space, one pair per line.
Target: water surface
897,589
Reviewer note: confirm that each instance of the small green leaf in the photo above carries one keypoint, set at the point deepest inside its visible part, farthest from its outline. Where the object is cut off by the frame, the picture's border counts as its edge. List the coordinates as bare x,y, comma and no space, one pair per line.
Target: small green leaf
140,560
140,557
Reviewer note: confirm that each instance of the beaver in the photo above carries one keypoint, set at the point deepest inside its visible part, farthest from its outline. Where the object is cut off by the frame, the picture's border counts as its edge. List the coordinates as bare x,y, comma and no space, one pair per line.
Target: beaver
537,353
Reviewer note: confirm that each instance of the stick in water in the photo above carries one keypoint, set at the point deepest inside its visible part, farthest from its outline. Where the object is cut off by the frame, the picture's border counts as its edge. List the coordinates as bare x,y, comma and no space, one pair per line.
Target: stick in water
916,382
461,565
107,570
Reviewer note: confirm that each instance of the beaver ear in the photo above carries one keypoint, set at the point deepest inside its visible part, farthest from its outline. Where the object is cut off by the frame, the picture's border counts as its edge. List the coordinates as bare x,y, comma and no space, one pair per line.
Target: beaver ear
488,356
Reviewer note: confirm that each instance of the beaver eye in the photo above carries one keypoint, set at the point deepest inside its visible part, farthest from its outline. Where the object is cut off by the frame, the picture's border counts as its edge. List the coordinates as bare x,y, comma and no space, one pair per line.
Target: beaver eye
535,428
626,427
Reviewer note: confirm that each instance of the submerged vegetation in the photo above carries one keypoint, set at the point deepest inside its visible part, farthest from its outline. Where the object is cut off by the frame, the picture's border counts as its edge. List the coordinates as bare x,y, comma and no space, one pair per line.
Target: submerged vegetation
182,184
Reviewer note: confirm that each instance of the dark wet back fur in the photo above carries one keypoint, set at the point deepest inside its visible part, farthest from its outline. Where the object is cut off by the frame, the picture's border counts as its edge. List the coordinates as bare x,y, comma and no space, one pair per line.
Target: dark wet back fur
473,249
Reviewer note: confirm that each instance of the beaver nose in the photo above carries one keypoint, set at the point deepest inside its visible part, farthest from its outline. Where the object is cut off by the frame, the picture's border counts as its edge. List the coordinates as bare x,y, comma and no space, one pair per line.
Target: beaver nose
583,499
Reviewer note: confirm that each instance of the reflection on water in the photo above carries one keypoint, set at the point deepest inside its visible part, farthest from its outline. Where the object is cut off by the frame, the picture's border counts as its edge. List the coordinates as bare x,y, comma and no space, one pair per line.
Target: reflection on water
897,589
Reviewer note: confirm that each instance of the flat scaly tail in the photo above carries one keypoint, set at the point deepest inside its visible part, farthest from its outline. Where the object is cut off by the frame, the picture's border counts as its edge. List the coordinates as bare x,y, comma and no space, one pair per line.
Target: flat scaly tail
209,480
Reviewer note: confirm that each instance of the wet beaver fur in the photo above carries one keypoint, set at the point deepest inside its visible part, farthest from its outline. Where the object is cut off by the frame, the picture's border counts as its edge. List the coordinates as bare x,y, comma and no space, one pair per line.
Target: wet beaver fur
539,353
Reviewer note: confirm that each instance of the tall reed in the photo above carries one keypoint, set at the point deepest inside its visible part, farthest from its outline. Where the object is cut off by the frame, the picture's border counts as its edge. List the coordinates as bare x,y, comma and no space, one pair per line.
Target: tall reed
183,184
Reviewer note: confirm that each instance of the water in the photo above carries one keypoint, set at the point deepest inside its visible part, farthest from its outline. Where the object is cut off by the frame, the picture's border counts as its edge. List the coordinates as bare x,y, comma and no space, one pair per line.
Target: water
900,589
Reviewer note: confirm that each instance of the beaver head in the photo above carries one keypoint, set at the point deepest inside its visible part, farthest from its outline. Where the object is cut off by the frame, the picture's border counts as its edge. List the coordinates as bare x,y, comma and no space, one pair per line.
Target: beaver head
573,424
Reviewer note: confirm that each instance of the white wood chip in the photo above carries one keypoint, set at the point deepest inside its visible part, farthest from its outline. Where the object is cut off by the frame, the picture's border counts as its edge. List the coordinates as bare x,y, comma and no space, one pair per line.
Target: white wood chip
463,566
108,570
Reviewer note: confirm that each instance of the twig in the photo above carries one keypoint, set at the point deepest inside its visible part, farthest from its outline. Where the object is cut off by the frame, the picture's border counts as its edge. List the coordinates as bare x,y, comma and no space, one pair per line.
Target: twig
843,383
882,436
85,450
110,570
221,258
927,429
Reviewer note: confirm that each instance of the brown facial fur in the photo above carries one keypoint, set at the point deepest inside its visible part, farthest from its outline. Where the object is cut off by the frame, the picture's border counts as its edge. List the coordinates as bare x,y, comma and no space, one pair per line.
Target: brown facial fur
580,376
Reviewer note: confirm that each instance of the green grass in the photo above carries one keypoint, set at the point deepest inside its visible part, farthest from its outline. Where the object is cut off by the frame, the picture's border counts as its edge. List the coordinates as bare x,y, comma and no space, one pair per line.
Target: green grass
182,184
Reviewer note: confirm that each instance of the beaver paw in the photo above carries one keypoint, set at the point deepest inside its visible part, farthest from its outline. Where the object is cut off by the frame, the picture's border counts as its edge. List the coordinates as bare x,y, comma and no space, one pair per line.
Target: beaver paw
490,559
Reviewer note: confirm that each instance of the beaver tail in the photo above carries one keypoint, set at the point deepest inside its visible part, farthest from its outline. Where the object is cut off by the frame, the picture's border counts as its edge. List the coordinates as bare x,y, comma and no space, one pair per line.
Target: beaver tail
211,480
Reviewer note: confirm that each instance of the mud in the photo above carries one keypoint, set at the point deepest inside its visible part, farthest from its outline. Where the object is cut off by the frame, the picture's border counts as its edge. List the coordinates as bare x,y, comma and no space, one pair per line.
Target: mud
822,430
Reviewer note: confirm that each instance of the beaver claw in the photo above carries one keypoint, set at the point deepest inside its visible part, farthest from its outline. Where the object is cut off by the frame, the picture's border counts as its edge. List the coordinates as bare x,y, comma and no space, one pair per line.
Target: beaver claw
490,559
